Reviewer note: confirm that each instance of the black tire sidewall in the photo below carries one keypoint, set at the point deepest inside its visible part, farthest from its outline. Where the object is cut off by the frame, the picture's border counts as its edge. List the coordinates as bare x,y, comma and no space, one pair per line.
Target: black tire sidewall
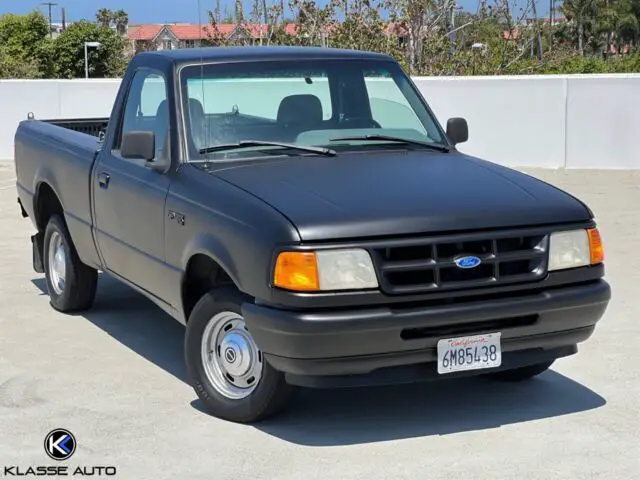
56,224
271,385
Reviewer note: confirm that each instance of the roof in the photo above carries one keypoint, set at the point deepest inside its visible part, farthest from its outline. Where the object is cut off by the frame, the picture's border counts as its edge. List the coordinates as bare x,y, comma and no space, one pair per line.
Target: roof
513,35
143,32
186,55
194,31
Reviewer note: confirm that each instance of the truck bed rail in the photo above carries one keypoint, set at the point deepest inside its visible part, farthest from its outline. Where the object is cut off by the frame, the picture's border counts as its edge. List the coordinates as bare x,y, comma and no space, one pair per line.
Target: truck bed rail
90,126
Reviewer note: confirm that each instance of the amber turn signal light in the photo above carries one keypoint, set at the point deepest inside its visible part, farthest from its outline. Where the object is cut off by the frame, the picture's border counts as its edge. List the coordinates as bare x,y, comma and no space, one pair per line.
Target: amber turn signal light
297,271
595,246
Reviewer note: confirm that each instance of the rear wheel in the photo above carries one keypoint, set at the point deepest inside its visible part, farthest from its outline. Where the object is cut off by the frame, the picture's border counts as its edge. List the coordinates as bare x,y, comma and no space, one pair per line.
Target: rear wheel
521,374
225,365
71,283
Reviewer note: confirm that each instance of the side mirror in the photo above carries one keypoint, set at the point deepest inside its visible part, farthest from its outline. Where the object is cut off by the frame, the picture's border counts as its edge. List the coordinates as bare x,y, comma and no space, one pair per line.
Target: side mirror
139,144
457,130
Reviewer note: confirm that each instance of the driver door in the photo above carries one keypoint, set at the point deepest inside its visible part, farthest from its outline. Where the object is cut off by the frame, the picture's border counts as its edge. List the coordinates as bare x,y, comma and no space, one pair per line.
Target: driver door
129,197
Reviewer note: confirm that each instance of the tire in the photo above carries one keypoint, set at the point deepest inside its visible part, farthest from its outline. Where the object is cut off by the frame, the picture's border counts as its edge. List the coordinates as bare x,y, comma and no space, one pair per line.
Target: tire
521,374
242,400
71,284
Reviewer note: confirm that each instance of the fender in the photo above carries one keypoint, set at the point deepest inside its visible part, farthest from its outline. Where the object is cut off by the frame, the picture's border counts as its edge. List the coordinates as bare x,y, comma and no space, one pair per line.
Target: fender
44,175
210,246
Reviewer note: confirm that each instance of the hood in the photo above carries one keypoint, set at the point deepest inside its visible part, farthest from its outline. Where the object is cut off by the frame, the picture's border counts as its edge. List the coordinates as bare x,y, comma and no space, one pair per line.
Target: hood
380,193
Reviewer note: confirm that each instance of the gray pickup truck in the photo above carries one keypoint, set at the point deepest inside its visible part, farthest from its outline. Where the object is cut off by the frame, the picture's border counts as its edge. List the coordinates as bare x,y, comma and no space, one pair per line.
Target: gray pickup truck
308,219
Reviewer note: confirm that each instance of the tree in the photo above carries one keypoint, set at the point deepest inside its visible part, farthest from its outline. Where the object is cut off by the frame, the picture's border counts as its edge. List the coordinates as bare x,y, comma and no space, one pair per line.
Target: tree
104,17
579,11
215,37
121,20
312,22
24,46
362,29
12,67
239,12
106,61
419,16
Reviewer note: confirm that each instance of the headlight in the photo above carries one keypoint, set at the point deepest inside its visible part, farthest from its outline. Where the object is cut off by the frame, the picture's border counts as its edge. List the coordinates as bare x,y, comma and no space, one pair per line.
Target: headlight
575,248
325,270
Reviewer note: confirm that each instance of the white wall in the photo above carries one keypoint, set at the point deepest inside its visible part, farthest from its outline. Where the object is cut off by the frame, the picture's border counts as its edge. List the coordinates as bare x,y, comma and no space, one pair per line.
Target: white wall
574,121
51,99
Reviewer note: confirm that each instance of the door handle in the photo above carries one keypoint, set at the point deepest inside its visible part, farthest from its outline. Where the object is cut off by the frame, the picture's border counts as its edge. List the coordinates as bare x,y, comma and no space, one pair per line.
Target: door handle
103,180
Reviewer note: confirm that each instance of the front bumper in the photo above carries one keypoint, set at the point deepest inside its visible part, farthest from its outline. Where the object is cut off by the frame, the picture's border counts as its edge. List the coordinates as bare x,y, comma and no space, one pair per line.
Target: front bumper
534,326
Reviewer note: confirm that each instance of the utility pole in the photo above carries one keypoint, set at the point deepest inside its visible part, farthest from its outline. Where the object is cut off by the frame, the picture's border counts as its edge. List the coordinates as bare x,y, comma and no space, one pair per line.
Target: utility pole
50,5
550,24
537,25
452,35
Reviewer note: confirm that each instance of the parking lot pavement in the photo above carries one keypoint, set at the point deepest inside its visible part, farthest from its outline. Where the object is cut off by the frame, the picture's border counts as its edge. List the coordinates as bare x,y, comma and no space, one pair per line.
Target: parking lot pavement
114,376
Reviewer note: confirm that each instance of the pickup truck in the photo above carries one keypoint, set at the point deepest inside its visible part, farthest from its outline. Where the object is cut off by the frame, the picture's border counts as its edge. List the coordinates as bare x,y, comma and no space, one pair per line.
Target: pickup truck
311,223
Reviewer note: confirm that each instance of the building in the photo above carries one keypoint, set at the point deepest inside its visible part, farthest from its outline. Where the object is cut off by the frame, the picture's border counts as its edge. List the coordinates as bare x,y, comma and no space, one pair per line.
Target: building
172,36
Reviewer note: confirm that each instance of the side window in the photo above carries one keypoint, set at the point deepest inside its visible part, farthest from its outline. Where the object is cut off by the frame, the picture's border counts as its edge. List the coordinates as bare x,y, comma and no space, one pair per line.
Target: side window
146,108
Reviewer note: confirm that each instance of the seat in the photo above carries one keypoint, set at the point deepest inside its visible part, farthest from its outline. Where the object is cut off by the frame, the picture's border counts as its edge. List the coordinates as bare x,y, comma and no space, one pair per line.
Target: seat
298,113
161,127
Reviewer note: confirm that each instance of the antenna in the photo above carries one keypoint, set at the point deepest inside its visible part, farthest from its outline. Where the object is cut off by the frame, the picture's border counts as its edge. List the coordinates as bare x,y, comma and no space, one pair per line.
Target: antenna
204,105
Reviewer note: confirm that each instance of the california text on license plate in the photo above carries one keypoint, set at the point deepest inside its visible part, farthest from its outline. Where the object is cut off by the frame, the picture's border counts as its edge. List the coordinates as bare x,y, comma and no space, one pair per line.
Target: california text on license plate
469,353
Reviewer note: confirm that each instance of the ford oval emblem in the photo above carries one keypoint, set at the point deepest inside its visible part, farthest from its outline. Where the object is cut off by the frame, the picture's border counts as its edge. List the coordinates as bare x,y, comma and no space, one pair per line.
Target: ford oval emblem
467,262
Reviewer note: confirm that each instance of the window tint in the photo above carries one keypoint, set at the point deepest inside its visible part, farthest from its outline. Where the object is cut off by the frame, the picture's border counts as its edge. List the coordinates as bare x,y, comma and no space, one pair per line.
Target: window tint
146,107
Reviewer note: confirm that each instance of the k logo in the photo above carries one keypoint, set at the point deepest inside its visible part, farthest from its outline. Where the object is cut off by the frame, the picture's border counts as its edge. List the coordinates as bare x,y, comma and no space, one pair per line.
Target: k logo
60,444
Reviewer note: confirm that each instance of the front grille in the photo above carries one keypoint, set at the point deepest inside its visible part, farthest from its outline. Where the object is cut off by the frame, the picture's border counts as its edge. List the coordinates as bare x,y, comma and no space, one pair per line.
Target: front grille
427,264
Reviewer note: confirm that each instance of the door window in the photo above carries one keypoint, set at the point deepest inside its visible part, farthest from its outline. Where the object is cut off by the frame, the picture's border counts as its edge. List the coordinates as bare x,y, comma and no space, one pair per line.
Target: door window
146,108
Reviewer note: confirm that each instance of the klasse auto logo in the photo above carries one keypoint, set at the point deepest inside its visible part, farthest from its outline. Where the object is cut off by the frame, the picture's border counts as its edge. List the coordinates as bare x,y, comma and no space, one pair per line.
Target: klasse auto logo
59,444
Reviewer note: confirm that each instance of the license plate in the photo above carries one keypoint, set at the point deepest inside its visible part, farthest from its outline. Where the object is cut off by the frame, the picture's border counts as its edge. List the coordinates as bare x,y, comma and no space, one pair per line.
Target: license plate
469,353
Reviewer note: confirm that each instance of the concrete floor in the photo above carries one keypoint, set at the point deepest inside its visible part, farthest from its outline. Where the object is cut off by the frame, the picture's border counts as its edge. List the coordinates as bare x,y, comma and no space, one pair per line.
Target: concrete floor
115,377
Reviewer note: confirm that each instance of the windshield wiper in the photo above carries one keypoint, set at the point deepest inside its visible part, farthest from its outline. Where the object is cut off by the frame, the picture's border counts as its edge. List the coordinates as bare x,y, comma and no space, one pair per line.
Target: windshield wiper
435,146
259,143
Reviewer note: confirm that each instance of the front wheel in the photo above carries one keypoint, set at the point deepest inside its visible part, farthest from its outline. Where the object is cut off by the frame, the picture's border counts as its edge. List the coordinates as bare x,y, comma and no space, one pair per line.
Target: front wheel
225,365
521,374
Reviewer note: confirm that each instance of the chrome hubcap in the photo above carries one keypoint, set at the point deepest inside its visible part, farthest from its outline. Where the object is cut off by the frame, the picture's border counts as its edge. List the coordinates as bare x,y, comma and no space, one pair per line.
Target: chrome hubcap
57,263
232,360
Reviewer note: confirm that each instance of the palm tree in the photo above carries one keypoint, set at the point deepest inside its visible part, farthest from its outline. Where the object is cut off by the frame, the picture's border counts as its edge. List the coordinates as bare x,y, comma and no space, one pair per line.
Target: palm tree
239,12
623,24
121,19
627,29
104,17
579,11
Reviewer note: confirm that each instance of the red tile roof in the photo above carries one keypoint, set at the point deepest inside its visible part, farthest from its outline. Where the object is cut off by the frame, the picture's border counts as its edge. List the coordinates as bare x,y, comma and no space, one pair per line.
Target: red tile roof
513,35
196,32
144,32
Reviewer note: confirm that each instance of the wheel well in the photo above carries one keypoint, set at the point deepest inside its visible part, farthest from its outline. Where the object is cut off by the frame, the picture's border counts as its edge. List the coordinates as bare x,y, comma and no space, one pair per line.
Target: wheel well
202,275
47,204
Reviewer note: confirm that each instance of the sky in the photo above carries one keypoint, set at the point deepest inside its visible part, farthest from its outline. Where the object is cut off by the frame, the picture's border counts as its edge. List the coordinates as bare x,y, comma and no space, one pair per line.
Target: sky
155,11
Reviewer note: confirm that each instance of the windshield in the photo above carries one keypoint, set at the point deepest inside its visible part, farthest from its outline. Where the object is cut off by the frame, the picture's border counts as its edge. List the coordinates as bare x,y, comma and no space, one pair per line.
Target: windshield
315,103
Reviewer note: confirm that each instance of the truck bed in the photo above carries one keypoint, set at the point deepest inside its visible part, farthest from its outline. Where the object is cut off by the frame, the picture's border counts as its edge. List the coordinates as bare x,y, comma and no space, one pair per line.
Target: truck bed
61,154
